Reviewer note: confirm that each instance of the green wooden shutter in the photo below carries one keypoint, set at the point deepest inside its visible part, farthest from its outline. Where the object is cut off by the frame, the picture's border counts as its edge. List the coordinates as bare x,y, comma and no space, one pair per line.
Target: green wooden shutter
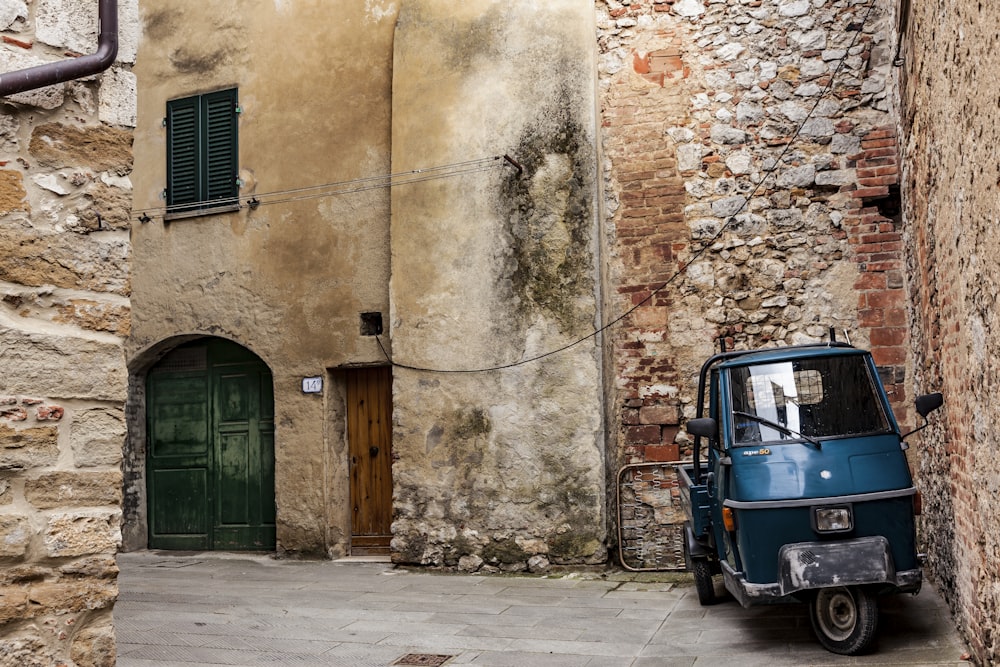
183,152
220,145
202,150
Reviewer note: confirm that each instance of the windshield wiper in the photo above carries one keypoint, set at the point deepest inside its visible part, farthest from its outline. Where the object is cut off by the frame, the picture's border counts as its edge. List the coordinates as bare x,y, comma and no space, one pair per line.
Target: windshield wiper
778,427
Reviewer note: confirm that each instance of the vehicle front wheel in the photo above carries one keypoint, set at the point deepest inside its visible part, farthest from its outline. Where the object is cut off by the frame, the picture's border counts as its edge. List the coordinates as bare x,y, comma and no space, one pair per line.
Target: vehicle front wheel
703,583
844,619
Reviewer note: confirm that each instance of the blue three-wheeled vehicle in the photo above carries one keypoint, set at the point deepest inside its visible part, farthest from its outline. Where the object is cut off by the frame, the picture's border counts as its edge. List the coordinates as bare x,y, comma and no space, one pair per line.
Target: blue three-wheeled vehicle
806,494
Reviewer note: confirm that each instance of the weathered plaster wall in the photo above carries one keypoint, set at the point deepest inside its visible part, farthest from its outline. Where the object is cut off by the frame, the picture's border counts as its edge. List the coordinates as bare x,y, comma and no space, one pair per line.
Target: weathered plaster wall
289,279
716,112
65,193
950,124
499,468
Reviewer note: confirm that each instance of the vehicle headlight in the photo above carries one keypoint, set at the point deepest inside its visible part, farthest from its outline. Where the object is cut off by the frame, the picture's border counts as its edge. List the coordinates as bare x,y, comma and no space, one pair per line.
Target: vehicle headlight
833,519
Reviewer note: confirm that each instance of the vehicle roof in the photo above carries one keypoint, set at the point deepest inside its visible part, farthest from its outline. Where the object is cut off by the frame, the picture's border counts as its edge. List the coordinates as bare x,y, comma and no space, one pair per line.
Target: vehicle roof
778,354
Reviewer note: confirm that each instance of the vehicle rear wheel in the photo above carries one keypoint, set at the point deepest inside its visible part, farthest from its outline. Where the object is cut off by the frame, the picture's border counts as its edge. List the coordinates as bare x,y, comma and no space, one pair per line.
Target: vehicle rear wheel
844,619
703,583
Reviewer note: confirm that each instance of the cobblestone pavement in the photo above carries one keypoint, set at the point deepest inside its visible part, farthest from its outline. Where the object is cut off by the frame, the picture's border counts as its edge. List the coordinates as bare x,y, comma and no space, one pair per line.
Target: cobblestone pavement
226,609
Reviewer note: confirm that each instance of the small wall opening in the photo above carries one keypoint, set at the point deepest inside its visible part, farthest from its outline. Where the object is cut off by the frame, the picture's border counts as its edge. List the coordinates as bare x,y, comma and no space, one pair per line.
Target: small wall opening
371,324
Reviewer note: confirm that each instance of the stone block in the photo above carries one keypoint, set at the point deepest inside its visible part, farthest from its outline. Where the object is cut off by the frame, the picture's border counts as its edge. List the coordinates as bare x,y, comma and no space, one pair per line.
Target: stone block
98,147
74,489
13,603
94,646
67,596
117,98
13,196
25,448
61,366
49,97
104,207
102,566
15,535
95,315
97,437
11,11
37,258
82,533
73,25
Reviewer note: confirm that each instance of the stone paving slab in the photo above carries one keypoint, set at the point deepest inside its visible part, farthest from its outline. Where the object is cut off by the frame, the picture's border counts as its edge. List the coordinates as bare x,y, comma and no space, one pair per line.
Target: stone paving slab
230,609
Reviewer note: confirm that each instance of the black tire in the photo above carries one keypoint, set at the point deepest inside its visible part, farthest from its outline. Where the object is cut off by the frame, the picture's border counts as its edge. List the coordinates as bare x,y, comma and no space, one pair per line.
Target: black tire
844,619
703,583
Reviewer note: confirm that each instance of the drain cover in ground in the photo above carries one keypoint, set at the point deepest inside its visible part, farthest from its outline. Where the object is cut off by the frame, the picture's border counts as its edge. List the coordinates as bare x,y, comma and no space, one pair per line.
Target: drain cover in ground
424,659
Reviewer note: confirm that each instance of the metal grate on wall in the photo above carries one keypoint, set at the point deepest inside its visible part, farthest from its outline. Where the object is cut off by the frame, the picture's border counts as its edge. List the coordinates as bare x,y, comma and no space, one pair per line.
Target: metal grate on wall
184,359
650,517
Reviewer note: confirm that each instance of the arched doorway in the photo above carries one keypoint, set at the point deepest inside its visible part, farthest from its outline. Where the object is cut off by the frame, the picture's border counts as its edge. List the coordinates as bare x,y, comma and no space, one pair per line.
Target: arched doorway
210,449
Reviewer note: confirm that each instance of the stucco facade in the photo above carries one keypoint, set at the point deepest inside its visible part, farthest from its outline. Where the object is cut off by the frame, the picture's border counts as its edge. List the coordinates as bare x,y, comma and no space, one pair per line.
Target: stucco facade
472,261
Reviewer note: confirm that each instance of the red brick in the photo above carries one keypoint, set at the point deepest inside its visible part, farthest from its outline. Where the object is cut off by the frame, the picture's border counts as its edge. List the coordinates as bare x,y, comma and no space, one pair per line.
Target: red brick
889,356
649,435
662,453
17,42
881,133
659,414
871,317
886,299
870,193
878,264
870,281
877,143
888,336
896,317
48,413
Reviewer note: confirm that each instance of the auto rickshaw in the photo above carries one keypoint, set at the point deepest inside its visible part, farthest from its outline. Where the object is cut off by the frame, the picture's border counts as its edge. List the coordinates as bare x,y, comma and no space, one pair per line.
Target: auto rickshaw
806,494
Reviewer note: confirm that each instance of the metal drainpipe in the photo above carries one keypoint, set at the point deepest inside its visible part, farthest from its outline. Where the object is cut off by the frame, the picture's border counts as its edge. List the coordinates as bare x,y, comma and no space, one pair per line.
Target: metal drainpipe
60,71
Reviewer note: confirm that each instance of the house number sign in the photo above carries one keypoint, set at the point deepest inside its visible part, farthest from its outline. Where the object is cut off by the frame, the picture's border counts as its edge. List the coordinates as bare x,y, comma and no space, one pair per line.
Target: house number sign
312,385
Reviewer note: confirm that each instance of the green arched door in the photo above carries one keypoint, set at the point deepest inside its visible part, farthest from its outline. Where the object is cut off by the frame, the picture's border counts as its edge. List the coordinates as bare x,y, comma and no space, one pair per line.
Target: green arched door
210,449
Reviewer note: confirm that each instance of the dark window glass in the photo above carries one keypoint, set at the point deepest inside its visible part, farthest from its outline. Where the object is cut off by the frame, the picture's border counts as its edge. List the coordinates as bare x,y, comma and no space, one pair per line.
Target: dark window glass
819,398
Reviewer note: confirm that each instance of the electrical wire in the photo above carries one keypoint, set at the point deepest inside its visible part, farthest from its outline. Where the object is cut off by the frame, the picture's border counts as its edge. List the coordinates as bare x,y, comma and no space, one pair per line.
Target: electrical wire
341,187
694,258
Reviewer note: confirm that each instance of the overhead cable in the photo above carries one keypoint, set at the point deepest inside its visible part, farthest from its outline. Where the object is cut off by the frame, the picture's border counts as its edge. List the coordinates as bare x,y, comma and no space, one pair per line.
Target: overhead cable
694,258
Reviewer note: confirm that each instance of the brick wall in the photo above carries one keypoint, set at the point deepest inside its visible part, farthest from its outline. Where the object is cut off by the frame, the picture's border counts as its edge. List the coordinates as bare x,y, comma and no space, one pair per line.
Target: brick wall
650,229
874,230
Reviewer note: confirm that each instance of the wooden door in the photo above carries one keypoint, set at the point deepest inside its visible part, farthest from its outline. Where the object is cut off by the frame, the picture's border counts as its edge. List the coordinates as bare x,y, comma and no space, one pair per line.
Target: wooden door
243,411
178,463
210,455
369,435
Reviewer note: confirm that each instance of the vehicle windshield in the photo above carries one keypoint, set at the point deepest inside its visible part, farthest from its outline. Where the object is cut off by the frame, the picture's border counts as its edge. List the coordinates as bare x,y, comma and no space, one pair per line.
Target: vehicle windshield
815,398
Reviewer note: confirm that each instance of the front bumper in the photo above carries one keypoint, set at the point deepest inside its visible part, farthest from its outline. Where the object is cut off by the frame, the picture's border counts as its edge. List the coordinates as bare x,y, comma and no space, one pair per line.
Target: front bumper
810,565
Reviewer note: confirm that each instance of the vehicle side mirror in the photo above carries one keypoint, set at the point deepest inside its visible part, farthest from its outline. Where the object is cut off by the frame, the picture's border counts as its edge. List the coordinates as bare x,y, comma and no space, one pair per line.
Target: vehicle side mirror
928,403
705,427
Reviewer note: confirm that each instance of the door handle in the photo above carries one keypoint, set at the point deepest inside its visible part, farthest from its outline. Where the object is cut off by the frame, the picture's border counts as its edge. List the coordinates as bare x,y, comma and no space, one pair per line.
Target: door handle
373,451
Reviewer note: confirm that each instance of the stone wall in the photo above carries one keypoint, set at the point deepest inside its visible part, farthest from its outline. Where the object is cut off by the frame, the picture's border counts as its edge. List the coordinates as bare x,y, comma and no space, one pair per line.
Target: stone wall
748,198
950,124
65,159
